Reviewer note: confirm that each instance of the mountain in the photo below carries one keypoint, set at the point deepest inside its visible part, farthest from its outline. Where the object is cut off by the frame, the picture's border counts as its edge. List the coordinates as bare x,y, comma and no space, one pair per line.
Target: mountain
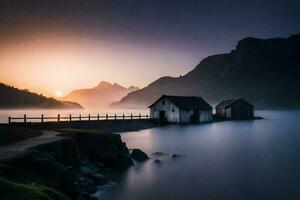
101,96
15,98
264,71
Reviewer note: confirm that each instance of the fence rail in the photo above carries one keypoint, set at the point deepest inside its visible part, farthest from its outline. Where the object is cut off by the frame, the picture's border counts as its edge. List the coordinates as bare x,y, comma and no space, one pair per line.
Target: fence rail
71,118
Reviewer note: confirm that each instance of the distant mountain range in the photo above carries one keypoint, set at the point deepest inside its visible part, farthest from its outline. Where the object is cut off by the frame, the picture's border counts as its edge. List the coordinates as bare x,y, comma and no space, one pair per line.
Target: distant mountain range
264,71
100,96
11,97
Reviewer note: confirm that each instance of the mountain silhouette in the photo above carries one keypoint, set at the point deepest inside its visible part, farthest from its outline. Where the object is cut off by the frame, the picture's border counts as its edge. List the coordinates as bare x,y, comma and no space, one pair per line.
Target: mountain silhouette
15,98
264,71
100,96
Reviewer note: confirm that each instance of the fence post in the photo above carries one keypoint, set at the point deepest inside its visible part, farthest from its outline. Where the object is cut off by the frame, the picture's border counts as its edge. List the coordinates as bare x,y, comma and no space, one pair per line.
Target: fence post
115,116
58,117
140,116
89,117
131,116
70,117
25,118
9,120
106,116
98,117
123,116
42,118
147,116
79,117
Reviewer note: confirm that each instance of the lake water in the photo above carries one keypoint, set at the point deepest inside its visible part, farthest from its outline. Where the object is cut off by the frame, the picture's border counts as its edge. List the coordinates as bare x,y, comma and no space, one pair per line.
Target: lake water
225,160
4,114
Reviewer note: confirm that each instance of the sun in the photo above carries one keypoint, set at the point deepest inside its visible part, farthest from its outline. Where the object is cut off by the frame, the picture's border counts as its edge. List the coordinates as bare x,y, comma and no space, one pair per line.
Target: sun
58,94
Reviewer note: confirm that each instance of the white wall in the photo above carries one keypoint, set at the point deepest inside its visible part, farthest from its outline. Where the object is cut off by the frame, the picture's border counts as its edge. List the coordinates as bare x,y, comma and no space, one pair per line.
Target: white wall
168,107
228,112
184,115
178,116
204,115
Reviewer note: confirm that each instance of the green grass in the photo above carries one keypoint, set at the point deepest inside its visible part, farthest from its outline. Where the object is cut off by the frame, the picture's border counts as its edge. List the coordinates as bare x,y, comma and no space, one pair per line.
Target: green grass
10,190
20,180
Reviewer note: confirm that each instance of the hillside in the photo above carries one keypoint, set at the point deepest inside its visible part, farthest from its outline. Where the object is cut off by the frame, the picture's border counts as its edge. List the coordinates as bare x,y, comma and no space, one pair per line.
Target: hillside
15,98
264,71
100,96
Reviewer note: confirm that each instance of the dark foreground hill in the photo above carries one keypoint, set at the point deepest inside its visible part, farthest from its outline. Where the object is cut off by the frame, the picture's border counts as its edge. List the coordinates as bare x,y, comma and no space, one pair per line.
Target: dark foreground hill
11,97
264,71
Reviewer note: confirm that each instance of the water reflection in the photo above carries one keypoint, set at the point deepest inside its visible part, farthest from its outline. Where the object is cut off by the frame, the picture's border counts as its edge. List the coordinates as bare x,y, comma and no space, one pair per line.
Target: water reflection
144,141
224,160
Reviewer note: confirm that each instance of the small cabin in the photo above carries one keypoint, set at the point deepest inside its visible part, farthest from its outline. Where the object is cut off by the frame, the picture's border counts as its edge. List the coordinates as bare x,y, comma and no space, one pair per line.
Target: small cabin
235,109
181,109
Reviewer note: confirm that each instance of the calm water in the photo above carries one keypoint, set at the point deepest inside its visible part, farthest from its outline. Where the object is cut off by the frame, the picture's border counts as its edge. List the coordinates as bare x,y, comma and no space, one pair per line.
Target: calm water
4,114
225,160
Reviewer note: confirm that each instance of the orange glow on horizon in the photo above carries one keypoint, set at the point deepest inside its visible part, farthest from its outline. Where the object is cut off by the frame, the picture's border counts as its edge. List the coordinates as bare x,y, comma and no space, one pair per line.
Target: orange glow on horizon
58,94
51,64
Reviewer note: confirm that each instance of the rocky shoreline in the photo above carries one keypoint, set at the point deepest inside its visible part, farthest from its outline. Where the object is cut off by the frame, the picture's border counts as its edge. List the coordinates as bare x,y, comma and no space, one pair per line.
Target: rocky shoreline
71,168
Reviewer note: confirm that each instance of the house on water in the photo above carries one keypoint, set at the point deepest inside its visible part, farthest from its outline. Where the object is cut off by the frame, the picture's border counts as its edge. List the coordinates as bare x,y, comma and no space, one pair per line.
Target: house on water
235,109
181,109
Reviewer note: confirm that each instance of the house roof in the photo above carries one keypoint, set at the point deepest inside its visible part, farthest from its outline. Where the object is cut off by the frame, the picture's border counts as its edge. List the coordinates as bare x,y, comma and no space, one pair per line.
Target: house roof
230,102
186,102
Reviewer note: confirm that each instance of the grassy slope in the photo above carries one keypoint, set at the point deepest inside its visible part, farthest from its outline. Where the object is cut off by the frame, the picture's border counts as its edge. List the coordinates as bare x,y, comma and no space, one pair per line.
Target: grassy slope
44,172
12,191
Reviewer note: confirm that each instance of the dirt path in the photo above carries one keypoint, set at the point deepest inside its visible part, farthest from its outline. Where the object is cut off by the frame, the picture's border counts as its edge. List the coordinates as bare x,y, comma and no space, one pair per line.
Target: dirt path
21,146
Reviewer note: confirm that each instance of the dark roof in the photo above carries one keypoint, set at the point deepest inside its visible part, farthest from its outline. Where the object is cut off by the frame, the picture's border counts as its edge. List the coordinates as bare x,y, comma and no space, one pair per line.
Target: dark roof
230,102
186,102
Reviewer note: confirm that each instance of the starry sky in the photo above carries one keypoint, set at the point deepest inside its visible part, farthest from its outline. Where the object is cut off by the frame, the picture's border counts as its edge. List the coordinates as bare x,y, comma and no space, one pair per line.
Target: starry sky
52,46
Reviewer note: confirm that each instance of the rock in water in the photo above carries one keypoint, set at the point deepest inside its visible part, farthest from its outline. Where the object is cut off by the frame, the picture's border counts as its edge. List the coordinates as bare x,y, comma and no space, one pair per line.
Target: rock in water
138,155
174,156
157,161
158,153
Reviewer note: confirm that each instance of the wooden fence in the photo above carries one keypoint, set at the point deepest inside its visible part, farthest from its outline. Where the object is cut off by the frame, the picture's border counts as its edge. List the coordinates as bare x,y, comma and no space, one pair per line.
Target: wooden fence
71,118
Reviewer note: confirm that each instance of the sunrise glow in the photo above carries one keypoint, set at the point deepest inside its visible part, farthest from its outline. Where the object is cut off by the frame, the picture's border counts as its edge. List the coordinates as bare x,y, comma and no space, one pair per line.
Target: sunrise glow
58,94
44,64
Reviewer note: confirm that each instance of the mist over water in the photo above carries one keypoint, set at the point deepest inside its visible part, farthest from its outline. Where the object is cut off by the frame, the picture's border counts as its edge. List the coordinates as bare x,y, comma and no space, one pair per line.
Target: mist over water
223,160
4,114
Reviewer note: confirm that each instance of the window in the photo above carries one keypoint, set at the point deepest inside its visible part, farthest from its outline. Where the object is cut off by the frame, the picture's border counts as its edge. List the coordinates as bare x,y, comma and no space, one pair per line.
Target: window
173,110
163,102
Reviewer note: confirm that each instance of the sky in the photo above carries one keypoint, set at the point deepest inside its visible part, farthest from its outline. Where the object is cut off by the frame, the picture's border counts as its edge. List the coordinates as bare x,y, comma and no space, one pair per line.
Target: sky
55,46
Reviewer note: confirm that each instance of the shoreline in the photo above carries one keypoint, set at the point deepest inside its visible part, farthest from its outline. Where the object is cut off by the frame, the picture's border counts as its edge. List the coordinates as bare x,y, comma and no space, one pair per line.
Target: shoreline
73,167
85,159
